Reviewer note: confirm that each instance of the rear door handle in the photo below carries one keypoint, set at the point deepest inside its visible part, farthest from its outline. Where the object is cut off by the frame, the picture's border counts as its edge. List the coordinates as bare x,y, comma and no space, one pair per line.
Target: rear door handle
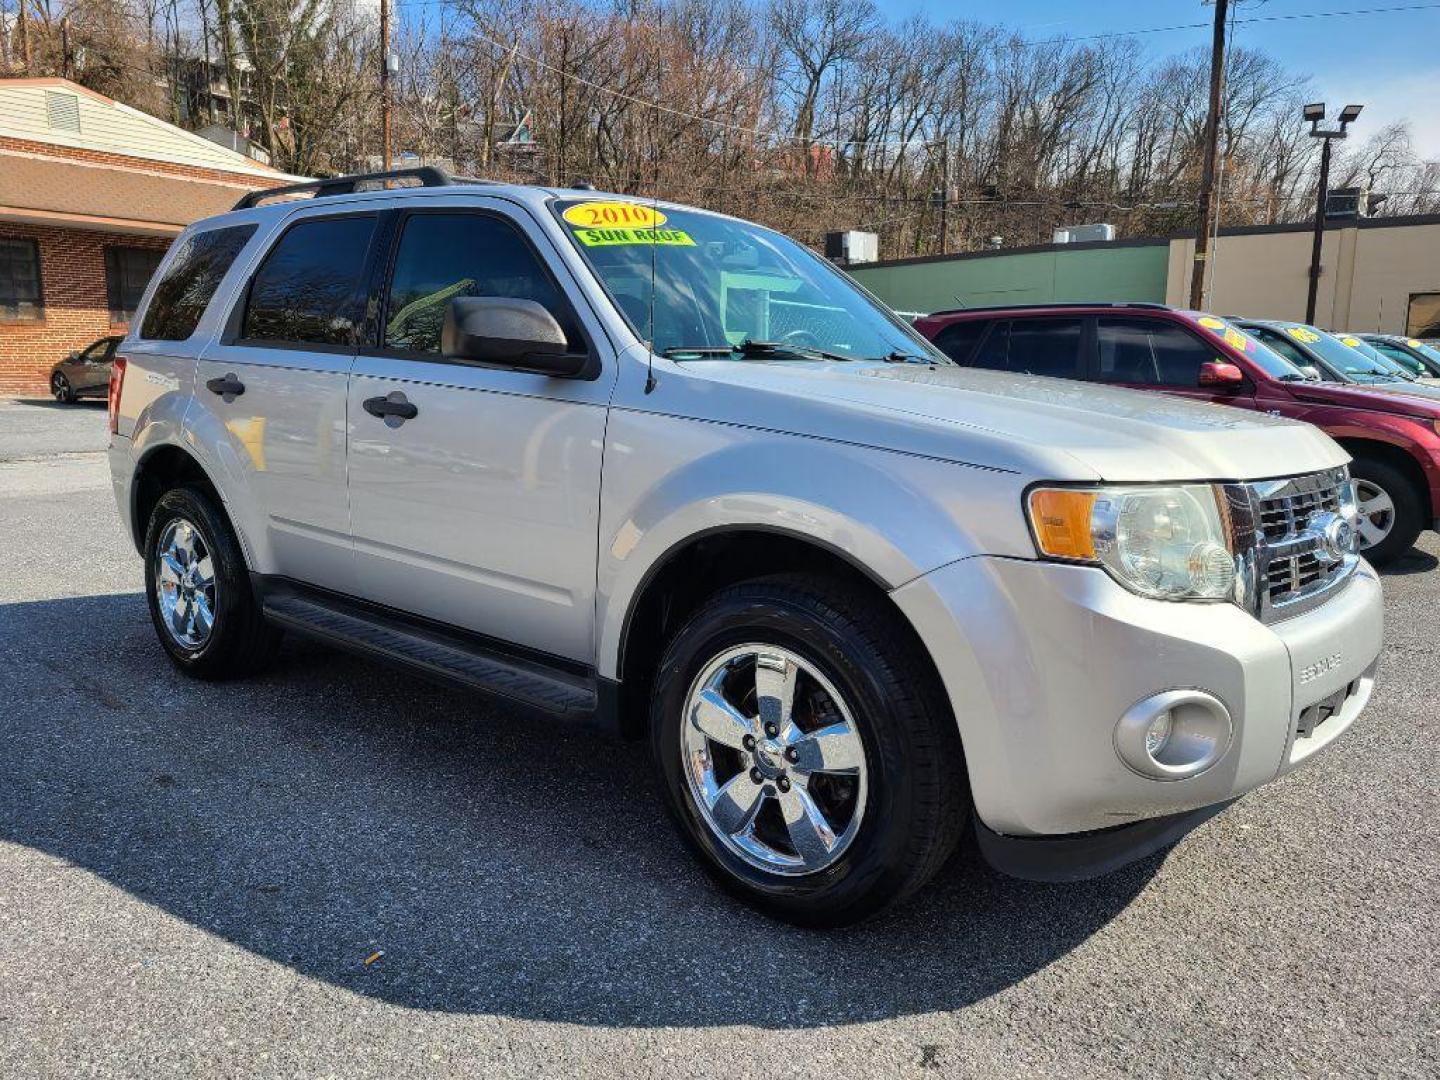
228,387
393,406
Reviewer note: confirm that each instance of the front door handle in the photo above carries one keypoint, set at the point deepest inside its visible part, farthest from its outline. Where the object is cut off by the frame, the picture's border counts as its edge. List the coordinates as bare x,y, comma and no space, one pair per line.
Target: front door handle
394,406
228,387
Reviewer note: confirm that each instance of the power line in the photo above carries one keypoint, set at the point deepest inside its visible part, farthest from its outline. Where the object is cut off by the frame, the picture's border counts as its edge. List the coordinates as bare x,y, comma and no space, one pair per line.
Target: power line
1253,19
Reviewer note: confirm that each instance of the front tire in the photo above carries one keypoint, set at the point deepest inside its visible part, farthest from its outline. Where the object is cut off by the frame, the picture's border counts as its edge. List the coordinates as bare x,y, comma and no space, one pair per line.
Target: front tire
809,757
1390,510
198,586
62,390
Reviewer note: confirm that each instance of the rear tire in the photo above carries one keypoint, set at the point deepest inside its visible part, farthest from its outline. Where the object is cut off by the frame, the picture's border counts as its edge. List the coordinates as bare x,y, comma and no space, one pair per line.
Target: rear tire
905,791
61,388
1397,518
198,587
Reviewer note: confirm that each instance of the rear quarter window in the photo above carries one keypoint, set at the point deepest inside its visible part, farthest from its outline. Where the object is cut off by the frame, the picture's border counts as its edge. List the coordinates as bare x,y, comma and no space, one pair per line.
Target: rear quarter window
958,340
189,284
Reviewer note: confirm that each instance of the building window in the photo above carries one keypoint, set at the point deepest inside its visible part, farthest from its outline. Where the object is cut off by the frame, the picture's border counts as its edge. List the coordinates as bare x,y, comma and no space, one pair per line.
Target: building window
1423,319
20,280
127,272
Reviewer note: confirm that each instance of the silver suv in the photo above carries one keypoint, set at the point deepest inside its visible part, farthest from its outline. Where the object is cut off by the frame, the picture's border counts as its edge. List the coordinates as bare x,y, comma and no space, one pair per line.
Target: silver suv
654,467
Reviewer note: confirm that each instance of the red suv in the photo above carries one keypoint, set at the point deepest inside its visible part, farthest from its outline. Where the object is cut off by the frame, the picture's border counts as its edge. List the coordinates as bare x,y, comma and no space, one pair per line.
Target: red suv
1392,432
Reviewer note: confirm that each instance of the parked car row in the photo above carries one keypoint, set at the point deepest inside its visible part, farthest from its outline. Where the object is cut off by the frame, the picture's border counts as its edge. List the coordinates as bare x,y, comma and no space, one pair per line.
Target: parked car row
1373,393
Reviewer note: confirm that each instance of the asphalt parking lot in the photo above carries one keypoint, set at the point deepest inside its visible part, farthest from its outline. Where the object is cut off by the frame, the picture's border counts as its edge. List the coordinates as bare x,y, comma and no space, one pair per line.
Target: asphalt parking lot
192,878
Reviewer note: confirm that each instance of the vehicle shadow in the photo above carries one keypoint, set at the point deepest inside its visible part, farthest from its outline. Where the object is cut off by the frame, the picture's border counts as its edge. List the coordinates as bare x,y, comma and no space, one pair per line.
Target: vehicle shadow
95,403
334,809
1414,561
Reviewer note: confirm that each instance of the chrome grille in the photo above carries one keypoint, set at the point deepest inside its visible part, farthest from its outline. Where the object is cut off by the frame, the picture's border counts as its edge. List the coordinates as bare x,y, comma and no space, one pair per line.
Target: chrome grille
1291,514
1294,565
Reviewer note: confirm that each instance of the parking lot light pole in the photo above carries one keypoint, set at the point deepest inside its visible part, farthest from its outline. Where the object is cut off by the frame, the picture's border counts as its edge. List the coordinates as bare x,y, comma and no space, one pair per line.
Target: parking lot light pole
1315,113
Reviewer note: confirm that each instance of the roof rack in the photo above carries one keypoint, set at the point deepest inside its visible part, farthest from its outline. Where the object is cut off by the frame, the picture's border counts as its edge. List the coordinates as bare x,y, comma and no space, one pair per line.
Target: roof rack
428,175
1056,304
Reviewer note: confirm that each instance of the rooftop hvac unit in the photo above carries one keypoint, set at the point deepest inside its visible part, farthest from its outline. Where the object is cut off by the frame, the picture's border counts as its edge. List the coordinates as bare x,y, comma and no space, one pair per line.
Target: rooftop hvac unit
848,248
1083,234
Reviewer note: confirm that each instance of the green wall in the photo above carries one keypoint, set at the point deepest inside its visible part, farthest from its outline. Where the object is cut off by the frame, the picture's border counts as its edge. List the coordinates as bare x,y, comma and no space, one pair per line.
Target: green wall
1025,277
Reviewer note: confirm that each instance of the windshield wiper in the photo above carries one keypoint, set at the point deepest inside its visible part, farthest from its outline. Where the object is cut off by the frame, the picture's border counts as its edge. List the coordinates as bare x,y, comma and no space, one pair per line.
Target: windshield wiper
755,348
898,357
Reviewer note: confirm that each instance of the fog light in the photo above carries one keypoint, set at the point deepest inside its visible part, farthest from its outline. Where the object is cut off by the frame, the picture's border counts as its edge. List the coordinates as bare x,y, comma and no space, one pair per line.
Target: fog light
1158,733
1174,735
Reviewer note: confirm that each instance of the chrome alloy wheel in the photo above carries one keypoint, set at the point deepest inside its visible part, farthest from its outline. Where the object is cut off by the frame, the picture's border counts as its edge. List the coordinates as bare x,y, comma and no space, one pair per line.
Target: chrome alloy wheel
60,387
1376,513
185,584
774,760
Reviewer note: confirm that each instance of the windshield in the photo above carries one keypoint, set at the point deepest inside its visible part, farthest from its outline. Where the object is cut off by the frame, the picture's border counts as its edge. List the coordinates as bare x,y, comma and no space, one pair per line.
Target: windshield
724,288
1255,350
1350,362
1428,351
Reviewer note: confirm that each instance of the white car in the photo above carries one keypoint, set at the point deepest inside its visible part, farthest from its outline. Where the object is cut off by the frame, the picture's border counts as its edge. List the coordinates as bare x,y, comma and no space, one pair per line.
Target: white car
662,469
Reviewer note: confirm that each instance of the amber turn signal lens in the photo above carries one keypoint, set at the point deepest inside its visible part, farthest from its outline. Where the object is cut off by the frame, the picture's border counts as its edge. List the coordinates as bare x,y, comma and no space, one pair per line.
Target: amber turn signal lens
1061,519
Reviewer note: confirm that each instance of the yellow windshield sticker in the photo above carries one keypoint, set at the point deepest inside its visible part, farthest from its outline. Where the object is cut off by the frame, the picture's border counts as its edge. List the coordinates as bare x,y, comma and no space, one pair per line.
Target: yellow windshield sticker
601,215
1413,343
1236,340
612,237
1300,333
1211,323
1353,342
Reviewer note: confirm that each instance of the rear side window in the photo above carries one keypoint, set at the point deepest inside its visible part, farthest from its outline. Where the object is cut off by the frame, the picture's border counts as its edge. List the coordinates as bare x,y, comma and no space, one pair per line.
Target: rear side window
958,340
442,256
307,289
1150,352
187,287
1034,347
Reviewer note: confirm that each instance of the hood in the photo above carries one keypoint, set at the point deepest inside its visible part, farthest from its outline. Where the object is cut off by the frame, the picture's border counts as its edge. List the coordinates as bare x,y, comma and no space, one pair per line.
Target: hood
1048,428
1417,399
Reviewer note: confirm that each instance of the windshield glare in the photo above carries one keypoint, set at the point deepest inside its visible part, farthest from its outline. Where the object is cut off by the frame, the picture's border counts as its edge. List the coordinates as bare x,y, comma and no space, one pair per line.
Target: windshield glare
710,283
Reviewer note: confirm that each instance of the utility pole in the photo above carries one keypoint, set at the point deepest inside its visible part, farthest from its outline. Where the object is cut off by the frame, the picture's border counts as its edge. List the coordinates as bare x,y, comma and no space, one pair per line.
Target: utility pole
1212,141
385,83
1315,113
944,194
67,68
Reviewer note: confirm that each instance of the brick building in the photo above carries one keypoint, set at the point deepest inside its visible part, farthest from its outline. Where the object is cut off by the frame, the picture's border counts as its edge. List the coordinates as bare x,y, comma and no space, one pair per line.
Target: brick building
91,194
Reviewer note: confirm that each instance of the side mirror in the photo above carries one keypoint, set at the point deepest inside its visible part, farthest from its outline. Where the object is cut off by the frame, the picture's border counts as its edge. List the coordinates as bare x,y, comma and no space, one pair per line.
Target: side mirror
1219,374
506,331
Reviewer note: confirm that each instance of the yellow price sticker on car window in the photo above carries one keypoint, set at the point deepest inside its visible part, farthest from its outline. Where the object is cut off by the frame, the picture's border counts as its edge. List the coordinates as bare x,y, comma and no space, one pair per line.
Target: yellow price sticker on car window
1300,333
1353,342
1414,343
1211,323
614,237
1236,340
619,215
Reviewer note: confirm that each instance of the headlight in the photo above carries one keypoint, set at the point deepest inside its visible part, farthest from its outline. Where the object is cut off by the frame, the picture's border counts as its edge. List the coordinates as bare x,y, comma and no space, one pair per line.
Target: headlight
1171,543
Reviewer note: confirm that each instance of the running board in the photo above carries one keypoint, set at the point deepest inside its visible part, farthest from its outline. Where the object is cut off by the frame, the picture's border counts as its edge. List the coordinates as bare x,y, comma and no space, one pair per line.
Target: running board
449,655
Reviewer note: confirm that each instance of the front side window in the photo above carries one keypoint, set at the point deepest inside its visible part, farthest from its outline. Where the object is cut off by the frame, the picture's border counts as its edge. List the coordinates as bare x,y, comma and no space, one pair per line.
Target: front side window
194,274
306,292
1286,349
1150,352
127,272
443,256
20,280
699,285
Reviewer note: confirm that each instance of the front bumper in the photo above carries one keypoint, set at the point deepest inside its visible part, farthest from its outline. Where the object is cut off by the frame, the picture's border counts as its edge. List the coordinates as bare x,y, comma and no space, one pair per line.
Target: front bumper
1040,661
